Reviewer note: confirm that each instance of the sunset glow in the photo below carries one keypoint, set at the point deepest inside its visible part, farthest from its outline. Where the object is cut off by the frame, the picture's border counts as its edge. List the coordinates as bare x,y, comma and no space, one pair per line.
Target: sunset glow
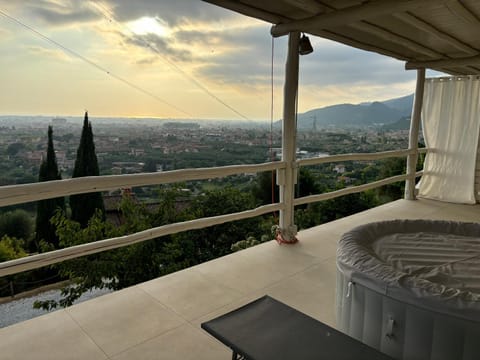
147,25
171,59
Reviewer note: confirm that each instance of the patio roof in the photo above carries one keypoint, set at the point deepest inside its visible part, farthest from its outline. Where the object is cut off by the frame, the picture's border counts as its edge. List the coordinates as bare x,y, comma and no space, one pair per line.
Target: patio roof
436,34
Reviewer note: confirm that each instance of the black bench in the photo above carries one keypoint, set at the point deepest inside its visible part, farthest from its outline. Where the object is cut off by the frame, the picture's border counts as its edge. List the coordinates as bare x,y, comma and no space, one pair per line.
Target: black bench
268,329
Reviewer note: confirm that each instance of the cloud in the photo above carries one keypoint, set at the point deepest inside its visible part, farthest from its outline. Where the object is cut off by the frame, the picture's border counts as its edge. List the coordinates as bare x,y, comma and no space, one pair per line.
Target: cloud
172,12
234,56
239,55
217,52
238,58
147,60
60,13
158,45
5,34
227,53
71,12
50,53
336,64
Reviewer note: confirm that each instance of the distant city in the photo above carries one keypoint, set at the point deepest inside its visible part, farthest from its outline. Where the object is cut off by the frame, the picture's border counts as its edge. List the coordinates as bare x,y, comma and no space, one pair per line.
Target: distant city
131,145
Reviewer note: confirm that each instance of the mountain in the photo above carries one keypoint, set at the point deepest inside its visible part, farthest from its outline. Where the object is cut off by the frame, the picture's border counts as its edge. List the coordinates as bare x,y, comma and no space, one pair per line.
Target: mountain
361,115
401,124
403,104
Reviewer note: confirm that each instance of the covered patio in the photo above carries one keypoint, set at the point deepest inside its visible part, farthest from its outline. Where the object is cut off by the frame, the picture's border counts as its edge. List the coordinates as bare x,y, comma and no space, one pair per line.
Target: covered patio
161,318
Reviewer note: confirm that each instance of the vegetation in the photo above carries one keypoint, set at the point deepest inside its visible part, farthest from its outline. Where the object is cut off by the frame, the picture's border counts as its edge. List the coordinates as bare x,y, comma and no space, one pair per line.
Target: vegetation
11,248
244,244
16,224
44,229
130,265
84,206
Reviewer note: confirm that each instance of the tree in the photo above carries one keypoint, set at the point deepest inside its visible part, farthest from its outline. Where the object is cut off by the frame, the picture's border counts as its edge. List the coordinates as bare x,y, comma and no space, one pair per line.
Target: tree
114,269
10,248
217,240
307,184
15,148
44,230
118,268
16,224
150,165
262,190
391,167
83,206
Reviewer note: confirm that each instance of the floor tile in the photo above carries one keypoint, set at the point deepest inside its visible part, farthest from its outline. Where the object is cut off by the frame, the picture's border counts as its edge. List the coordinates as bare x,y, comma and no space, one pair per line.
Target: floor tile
282,258
244,274
311,291
52,336
458,213
185,343
239,302
321,244
123,319
190,293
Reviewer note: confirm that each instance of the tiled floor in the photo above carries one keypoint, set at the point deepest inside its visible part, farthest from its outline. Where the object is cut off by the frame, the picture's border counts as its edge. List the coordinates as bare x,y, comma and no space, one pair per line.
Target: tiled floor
161,319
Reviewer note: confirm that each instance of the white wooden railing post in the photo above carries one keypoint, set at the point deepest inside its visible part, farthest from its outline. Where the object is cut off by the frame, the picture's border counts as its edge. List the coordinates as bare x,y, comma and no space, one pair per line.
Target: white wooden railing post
413,136
286,178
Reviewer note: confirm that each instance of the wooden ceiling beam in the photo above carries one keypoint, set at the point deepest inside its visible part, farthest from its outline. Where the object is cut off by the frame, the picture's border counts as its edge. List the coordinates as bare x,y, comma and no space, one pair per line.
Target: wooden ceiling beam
475,69
348,15
395,38
444,63
422,25
451,72
249,10
312,6
385,34
461,11
358,44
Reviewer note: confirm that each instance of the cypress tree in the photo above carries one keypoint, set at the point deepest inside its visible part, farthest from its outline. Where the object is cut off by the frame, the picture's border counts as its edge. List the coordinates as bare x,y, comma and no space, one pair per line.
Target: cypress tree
44,230
83,206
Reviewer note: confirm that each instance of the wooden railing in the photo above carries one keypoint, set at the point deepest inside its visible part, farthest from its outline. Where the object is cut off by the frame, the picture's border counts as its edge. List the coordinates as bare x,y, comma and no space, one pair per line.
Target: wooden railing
359,188
16,194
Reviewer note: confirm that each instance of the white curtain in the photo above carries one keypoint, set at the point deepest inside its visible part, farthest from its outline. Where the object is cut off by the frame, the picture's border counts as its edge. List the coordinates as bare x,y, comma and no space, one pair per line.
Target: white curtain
451,122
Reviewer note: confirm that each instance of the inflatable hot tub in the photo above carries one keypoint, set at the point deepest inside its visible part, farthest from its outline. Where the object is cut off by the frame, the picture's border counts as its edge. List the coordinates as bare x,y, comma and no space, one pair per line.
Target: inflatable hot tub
411,288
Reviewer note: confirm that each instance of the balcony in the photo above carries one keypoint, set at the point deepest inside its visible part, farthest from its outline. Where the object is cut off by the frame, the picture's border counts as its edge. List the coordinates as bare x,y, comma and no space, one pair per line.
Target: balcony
161,318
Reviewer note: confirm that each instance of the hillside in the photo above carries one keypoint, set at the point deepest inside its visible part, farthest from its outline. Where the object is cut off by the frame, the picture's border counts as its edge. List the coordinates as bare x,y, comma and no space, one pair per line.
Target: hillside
361,115
401,124
404,104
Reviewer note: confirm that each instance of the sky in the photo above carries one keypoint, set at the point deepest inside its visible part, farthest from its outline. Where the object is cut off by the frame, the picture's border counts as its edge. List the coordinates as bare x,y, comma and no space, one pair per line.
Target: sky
170,59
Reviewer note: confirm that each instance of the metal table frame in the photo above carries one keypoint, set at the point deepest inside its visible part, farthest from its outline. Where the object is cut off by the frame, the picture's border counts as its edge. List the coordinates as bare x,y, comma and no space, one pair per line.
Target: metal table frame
267,329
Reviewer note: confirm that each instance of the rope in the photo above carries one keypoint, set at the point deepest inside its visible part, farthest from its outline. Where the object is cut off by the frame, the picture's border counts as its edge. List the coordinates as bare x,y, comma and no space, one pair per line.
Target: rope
271,122
295,140
281,240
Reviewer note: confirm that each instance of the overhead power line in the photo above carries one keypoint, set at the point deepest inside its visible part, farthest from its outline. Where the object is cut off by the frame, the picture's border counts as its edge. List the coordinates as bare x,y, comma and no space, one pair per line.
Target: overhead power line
107,13
92,63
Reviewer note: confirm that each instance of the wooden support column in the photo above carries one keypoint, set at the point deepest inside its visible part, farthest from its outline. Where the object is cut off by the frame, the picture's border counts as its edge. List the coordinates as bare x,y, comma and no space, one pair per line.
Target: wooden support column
286,178
413,137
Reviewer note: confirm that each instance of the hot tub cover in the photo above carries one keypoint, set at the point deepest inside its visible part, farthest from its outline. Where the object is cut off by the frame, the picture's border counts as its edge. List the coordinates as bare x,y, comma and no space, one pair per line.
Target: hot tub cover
431,264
